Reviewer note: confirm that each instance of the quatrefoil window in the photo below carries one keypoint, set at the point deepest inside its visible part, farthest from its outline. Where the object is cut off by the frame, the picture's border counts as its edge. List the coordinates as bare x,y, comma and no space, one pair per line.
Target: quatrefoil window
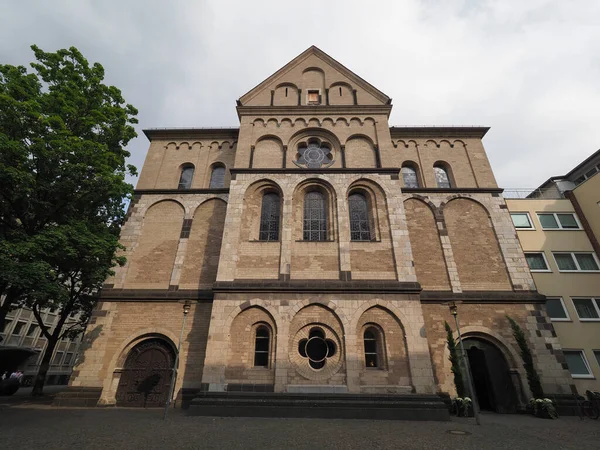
314,156
316,348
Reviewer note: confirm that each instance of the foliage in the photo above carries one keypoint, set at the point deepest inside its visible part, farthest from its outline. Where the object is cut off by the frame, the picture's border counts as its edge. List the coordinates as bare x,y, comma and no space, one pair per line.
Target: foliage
532,376
542,407
462,406
63,134
458,378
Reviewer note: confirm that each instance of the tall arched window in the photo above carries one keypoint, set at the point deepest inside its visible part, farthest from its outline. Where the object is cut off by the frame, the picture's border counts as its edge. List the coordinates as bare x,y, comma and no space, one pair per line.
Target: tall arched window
360,229
371,340
441,176
217,178
186,177
261,347
269,218
315,217
409,176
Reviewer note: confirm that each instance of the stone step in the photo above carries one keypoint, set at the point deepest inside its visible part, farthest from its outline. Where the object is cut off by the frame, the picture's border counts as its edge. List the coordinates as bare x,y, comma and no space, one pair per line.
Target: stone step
78,397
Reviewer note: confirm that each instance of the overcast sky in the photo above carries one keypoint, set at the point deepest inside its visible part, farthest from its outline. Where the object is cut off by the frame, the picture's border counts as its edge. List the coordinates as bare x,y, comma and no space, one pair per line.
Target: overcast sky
529,69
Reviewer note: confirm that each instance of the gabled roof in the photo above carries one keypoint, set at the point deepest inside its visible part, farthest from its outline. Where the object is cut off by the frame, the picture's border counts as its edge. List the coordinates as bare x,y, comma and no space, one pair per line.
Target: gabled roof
327,59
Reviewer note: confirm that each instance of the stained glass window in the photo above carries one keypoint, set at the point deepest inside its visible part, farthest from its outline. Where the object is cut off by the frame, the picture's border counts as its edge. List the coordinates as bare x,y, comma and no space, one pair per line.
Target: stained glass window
441,177
359,218
187,175
217,178
315,217
314,156
269,218
409,175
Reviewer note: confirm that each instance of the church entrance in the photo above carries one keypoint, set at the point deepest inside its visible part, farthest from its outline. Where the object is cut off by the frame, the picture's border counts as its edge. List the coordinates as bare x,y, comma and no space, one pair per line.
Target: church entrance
491,376
146,377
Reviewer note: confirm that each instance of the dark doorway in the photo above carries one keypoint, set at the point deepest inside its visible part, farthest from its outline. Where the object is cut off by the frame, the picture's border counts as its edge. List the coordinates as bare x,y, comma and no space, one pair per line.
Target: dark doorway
491,376
146,377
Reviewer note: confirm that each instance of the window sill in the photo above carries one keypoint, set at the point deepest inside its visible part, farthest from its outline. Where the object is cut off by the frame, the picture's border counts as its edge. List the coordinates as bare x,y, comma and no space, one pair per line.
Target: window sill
262,242
370,241
579,271
540,271
583,377
524,229
560,320
589,320
315,242
562,229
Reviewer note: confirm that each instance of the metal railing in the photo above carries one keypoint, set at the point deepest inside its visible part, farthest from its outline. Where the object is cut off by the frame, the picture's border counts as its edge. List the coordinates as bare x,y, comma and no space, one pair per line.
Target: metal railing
533,194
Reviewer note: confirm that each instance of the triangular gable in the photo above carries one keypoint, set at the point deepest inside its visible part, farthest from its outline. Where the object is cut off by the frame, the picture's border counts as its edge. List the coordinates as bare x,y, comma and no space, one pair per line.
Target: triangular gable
313,51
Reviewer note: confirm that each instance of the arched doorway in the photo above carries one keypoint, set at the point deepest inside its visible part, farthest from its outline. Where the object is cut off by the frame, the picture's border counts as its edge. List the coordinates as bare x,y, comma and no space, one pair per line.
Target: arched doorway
491,376
146,376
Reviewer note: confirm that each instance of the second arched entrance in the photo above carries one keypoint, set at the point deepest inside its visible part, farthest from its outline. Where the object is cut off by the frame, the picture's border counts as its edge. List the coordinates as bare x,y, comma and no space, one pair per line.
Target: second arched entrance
146,376
491,376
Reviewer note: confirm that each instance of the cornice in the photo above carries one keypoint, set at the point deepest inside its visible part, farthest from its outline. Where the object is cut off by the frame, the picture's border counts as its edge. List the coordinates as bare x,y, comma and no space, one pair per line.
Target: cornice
438,132
482,297
421,190
319,110
180,191
295,170
317,286
154,295
190,133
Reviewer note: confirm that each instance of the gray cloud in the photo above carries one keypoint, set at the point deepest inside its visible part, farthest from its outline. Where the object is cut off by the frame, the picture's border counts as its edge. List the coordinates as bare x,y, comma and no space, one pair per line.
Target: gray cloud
527,69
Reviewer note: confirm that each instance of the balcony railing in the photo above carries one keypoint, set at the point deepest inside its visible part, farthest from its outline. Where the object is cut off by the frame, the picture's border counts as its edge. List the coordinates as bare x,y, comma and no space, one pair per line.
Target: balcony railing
533,194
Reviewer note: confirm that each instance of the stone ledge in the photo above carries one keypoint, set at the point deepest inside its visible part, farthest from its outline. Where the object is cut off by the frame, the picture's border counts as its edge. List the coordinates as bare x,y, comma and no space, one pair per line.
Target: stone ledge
323,286
150,295
482,297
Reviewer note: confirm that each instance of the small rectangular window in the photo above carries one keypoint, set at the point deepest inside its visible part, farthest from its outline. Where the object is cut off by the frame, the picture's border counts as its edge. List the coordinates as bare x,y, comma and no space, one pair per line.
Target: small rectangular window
32,330
576,262
590,172
578,365
580,180
313,97
19,328
522,221
587,309
556,309
559,221
537,262
68,359
5,325
57,357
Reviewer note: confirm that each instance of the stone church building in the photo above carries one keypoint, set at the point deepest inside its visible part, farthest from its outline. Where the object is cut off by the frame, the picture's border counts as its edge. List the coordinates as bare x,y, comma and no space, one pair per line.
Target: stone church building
319,247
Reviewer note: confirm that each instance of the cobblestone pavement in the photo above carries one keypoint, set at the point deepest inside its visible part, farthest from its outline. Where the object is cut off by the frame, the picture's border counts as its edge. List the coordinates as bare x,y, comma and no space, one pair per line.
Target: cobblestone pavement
41,426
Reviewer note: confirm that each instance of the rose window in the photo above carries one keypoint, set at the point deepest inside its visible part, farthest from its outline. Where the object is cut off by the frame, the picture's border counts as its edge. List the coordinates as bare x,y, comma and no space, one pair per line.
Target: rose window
316,348
314,156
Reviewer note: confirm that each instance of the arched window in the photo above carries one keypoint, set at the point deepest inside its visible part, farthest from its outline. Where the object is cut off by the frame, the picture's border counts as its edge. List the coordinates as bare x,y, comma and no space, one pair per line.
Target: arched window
409,176
269,218
371,347
441,176
360,229
261,347
315,217
217,178
187,175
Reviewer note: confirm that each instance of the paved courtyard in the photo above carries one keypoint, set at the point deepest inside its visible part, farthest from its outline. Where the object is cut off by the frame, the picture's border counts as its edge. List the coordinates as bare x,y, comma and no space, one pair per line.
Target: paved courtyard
41,426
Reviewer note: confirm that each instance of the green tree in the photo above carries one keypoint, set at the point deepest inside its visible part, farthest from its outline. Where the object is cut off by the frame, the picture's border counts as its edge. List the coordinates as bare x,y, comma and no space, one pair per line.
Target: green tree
458,379
533,379
63,134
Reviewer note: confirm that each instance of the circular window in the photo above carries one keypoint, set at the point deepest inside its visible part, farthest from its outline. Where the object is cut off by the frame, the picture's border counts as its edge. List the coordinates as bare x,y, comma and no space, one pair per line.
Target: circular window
314,156
316,348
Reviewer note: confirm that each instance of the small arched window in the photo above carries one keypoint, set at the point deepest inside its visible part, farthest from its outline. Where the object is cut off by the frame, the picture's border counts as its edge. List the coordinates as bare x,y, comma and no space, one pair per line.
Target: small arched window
441,176
217,178
186,177
315,217
360,229
409,176
371,339
269,218
262,347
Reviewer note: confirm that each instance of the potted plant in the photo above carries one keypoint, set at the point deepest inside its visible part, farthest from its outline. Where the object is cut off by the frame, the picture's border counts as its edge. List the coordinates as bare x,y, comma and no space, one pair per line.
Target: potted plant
543,408
462,407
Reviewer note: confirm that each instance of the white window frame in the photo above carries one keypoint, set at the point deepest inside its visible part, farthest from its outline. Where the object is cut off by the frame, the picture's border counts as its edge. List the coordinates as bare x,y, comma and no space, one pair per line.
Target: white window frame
590,376
531,226
560,227
578,270
595,301
597,356
547,270
562,302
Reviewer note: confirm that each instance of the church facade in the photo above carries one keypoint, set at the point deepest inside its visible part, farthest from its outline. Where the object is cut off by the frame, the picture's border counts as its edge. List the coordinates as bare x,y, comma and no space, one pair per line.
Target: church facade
319,248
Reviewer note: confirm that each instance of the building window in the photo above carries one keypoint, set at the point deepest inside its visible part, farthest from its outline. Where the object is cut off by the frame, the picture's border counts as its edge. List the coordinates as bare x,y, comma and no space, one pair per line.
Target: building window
261,347
19,328
269,218
537,262
597,355
441,177
5,325
371,340
315,217
32,330
313,97
522,221
360,229
187,175
559,221
57,357
68,359
576,262
555,307
217,178
578,365
588,309
409,177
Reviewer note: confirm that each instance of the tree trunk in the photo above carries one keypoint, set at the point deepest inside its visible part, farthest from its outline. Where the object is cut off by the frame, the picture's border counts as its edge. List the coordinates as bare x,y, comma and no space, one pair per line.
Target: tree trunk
40,378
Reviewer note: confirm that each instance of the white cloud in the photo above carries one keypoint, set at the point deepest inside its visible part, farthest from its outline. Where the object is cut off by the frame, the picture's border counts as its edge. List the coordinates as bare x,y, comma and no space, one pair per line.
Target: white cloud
528,69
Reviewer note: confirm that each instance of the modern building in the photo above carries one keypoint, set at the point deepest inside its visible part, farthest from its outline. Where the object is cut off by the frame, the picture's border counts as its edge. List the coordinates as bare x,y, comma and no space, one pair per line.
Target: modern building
22,336
559,227
320,249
